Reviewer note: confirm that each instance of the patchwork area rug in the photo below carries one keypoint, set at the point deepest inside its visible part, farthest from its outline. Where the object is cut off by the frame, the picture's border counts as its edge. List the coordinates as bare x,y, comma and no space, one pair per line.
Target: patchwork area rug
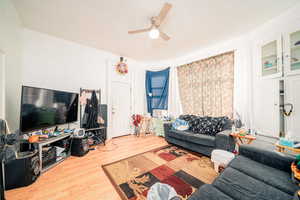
184,171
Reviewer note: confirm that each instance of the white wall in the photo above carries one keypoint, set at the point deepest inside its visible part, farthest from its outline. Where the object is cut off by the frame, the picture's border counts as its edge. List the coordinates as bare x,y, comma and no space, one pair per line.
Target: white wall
50,62
11,46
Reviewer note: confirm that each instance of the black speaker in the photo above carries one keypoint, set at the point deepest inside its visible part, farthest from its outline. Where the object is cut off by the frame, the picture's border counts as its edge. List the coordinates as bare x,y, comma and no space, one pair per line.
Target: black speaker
22,171
80,146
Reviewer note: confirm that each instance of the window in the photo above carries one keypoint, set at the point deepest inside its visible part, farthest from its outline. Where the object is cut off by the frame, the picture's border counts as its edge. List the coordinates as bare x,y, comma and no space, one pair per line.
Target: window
157,89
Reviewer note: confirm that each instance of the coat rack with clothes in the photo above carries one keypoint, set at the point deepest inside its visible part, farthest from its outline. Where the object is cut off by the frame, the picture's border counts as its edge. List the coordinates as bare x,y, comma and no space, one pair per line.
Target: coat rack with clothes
90,115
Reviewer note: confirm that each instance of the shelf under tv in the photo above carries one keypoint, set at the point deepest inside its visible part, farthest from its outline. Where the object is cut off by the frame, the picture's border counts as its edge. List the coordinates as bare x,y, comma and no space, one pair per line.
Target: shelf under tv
50,141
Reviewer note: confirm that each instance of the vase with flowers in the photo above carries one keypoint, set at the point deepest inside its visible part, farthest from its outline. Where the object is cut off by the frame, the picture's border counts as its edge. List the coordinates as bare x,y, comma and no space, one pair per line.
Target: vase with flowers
136,121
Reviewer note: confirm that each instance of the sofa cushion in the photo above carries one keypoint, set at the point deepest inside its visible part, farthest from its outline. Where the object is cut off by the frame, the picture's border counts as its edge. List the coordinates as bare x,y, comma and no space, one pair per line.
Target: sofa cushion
240,186
209,192
207,125
271,176
205,140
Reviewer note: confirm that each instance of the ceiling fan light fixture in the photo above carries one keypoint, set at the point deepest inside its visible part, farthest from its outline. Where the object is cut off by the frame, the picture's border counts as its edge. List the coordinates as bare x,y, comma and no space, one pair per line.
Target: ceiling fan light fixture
154,33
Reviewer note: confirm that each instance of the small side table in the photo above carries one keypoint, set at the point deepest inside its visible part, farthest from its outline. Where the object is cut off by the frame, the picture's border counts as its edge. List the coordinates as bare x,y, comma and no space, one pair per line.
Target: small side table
146,125
282,148
242,139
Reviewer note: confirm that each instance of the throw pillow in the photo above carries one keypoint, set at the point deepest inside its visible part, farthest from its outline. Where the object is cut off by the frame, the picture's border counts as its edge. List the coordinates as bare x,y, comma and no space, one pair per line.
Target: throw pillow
180,125
206,125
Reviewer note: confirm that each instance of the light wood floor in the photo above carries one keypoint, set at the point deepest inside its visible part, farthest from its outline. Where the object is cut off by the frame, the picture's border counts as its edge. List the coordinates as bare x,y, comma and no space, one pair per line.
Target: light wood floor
83,178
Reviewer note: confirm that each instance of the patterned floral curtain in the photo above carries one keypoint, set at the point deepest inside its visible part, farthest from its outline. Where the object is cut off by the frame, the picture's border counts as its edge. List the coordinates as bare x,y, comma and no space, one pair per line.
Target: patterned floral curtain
206,86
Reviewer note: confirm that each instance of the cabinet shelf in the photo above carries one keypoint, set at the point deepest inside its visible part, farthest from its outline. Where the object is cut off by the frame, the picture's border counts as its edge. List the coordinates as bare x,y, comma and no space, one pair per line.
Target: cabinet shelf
295,47
296,63
270,68
269,56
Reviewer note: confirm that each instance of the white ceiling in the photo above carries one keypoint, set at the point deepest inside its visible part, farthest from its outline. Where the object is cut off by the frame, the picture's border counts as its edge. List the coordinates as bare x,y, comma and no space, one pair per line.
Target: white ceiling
103,24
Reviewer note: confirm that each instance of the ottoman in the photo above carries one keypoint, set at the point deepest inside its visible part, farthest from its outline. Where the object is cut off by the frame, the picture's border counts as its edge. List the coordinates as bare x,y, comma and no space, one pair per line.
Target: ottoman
221,159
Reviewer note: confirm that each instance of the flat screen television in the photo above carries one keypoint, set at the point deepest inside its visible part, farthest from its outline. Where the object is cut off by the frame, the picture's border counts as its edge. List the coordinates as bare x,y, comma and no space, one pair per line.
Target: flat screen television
44,108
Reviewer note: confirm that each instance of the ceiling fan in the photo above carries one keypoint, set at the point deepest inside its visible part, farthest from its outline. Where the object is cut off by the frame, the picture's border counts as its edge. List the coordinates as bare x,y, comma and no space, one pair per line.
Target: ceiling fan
154,31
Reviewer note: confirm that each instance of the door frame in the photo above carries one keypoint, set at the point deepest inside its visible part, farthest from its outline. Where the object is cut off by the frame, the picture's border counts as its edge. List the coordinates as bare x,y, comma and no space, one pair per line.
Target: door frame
110,66
2,79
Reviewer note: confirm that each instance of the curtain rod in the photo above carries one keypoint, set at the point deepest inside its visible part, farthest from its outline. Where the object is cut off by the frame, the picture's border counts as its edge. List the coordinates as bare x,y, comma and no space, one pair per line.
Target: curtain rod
207,58
89,90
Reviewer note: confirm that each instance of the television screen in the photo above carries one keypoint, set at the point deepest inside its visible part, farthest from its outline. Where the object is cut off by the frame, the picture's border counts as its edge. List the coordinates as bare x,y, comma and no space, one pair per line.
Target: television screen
43,108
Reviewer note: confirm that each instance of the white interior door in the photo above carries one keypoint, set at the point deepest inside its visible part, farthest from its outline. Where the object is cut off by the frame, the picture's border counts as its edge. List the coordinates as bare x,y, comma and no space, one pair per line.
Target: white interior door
293,96
266,107
2,86
121,108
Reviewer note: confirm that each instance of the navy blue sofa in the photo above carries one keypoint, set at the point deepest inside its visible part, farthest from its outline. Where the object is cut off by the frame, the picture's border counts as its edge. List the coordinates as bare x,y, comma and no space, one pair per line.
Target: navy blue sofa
255,174
200,143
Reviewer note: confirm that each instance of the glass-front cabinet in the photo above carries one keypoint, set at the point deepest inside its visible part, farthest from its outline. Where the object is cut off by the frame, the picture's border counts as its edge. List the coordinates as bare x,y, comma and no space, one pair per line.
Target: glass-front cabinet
281,57
292,53
271,61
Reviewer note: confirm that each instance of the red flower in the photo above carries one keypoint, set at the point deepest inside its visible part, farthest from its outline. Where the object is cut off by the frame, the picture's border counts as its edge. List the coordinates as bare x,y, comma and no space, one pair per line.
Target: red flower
136,120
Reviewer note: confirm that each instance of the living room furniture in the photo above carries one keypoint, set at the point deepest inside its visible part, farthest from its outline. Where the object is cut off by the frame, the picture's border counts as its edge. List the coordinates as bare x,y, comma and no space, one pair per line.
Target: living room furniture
255,173
279,61
146,125
272,48
48,150
242,139
221,159
200,143
282,148
22,171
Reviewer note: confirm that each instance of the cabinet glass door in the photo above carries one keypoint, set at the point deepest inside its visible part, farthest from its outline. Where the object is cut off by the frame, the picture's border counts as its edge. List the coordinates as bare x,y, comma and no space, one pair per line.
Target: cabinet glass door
269,59
295,51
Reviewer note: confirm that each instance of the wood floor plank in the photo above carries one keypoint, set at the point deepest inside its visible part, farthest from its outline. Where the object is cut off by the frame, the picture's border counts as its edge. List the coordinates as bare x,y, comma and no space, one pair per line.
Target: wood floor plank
82,178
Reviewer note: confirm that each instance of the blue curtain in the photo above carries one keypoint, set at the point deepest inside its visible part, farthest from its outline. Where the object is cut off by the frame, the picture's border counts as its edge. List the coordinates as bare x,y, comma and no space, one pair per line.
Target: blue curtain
157,89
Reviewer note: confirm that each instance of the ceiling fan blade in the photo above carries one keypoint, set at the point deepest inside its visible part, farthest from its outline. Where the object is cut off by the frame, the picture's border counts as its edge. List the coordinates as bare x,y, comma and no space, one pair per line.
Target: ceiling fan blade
164,36
139,31
164,11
